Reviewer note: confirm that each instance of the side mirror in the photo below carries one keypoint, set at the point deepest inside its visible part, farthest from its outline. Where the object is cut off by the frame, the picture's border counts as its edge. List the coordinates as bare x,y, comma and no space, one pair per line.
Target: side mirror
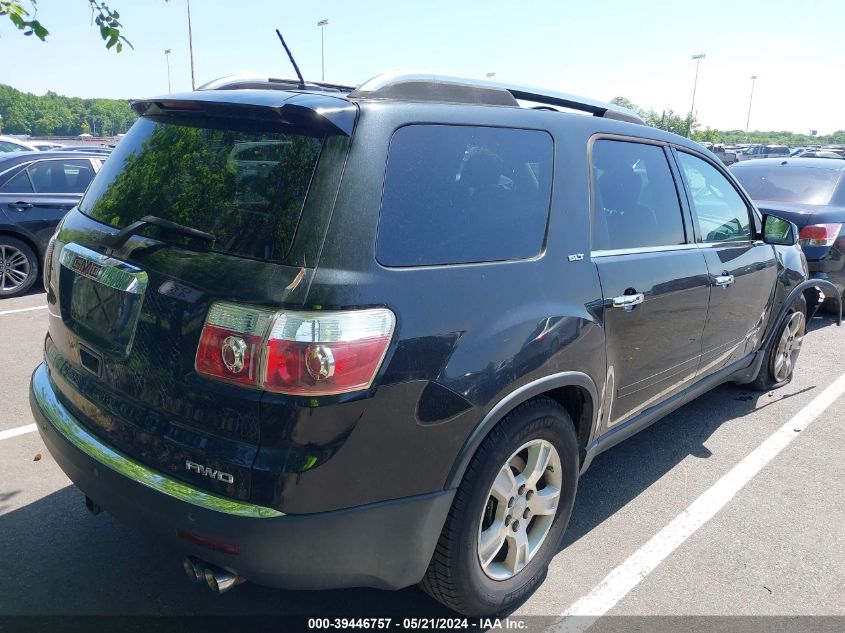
779,231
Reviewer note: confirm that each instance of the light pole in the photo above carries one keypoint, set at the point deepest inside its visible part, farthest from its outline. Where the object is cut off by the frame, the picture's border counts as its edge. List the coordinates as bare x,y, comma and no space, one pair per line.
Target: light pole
697,57
191,47
167,57
322,24
750,99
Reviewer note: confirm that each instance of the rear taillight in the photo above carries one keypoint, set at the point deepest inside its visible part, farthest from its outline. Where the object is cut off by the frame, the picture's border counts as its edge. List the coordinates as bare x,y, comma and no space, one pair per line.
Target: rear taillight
819,234
230,345
299,353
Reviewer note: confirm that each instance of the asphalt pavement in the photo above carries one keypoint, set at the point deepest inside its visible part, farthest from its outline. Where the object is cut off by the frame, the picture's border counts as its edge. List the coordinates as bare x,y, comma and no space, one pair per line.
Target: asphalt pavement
775,547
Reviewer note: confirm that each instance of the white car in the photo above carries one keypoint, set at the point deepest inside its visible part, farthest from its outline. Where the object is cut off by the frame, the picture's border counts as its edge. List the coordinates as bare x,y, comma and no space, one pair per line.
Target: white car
12,144
44,146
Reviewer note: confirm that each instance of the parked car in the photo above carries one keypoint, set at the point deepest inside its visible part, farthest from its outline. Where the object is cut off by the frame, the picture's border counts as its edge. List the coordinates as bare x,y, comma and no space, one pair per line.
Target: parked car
43,146
12,144
388,358
811,193
36,190
763,151
818,154
88,149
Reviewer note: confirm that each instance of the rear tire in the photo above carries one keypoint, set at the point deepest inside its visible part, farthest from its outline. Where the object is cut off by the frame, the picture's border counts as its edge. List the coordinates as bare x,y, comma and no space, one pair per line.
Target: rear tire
782,354
18,267
517,463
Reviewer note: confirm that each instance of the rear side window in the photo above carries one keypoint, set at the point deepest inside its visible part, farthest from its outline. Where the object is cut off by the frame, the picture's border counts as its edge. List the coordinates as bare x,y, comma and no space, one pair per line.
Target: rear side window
61,176
18,184
636,202
247,188
460,194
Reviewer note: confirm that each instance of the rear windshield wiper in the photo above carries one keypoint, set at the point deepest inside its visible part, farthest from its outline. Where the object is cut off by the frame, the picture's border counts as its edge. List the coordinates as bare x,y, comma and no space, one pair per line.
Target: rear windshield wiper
120,238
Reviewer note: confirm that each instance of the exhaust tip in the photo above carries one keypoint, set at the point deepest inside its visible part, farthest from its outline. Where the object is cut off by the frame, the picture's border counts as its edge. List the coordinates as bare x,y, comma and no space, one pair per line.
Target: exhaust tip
221,580
193,568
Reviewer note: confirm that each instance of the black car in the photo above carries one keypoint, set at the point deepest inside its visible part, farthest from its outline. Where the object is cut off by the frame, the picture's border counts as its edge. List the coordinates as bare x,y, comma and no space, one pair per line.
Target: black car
811,193
36,190
385,356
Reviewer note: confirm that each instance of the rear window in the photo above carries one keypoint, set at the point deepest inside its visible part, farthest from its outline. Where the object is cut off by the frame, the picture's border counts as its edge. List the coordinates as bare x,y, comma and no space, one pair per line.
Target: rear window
246,188
459,194
788,183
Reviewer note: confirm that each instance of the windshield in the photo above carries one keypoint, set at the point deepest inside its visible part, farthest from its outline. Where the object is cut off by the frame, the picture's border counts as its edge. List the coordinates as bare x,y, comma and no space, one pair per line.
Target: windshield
788,183
246,188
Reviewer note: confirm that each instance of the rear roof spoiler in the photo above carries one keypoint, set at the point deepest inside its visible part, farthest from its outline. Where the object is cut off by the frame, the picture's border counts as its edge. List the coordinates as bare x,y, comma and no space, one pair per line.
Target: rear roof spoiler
319,111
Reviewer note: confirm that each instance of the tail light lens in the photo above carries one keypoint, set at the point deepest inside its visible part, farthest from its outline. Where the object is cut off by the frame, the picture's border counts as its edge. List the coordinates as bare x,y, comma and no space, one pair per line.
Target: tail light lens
819,234
292,352
230,345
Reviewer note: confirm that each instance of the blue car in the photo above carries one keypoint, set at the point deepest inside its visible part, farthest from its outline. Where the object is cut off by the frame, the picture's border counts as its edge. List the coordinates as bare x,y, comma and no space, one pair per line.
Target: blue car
811,193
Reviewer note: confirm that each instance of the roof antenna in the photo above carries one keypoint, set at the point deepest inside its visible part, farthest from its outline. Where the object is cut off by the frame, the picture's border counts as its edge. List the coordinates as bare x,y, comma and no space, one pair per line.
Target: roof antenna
292,61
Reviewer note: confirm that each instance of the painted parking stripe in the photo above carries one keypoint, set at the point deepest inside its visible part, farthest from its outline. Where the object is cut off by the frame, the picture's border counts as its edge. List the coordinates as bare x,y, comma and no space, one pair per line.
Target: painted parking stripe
23,310
616,585
19,430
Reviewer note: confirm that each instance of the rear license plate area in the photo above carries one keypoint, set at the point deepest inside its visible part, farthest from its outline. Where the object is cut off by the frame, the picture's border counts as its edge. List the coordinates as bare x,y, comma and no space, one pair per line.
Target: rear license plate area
100,298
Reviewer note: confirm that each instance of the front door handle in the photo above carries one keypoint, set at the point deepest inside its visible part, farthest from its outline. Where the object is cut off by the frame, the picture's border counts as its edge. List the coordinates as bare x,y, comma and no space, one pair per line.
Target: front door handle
724,280
20,206
627,301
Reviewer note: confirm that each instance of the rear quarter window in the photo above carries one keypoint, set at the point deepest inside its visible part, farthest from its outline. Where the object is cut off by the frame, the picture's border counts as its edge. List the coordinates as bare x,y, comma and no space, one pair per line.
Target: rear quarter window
461,194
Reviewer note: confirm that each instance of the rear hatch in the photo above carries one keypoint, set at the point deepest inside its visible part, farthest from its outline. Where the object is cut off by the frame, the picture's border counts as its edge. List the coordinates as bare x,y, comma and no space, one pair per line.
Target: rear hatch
217,196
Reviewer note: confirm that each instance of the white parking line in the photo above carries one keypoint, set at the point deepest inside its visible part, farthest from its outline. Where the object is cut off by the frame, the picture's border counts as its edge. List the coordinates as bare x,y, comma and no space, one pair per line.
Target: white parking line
23,310
616,585
19,430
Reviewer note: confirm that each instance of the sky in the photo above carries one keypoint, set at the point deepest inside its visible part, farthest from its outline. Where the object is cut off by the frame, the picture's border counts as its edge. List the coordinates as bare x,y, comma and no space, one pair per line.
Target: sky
602,49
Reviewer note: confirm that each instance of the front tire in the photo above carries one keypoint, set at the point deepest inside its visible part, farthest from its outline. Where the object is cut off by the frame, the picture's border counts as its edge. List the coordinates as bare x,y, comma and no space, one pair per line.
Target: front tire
509,513
782,353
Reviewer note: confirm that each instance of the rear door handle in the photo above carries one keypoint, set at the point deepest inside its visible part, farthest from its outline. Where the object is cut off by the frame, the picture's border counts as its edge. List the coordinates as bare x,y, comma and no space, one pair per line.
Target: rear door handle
723,280
20,206
627,301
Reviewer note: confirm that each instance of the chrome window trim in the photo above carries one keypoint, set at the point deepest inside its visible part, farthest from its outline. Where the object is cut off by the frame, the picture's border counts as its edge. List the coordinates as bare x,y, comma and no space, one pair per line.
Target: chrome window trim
668,249
60,419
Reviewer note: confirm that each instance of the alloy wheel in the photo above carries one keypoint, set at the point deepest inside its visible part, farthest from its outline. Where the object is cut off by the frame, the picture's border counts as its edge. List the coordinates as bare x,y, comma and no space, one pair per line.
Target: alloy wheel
520,509
14,268
789,346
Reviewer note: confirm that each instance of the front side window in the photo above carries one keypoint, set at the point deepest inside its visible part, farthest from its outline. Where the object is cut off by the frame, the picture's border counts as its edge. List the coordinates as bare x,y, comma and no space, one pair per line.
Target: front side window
459,194
722,213
635,199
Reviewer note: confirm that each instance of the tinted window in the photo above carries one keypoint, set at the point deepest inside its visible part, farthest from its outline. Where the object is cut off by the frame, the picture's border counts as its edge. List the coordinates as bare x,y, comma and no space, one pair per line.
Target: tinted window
722,213
788,183
196,176
17,184
60,176
456,194
636,202
6,146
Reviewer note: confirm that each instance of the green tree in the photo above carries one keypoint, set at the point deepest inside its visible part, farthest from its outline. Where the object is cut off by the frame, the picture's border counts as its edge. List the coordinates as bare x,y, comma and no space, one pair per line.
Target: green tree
54,114
22,13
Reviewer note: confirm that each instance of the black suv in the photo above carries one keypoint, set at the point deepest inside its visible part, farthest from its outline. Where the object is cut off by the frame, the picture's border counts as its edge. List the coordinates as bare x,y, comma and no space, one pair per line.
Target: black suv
320,337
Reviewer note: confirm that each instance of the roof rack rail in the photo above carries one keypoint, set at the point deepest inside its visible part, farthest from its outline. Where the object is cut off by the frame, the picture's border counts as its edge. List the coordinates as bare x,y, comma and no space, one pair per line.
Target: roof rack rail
434,87
263,82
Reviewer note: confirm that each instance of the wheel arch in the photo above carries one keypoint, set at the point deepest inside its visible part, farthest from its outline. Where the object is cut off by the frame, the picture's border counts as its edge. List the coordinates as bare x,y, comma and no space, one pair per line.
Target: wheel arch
575,391
26,239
